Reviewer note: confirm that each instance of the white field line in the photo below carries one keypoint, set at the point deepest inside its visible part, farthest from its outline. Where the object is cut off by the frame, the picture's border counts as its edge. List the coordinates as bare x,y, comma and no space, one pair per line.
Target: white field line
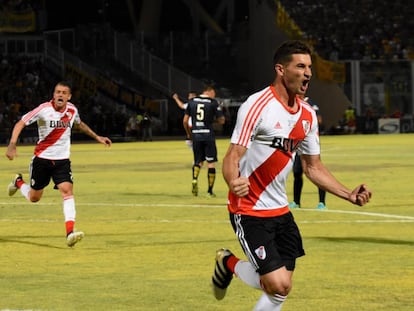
394,218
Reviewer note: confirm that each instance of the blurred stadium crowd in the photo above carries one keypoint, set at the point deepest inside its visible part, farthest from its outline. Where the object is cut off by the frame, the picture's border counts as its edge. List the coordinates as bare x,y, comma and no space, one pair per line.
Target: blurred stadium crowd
25,83
351,29
339,30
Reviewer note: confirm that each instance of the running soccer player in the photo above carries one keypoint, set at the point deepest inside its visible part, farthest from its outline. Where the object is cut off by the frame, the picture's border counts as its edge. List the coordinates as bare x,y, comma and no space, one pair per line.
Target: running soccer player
272,125
55,120
203,110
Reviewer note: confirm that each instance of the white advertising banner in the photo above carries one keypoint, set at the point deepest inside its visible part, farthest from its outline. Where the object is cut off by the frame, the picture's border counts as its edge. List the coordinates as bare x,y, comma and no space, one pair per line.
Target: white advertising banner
388,126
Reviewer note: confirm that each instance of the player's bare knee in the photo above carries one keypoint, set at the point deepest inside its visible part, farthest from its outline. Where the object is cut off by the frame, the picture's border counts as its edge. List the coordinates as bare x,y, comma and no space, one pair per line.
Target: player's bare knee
279,287
34,199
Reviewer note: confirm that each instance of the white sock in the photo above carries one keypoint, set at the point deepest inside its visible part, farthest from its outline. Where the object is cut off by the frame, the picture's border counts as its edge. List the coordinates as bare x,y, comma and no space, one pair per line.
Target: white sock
24,190
69,208
268,303
247,273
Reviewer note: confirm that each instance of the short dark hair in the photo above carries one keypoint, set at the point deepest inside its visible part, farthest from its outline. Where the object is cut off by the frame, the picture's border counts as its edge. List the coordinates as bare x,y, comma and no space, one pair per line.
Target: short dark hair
285,51
209,87
66,84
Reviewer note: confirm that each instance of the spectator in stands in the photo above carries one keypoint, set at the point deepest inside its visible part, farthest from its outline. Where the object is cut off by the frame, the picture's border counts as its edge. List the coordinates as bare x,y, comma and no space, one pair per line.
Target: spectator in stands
131,130
146,126
368,29
350,120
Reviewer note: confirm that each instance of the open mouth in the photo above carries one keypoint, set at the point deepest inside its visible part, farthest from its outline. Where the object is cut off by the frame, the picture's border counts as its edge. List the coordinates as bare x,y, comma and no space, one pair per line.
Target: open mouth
305,85
60,100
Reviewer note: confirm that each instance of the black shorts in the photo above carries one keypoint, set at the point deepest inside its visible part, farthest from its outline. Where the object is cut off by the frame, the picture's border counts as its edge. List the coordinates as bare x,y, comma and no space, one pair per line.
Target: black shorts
204,151
42,170
269,242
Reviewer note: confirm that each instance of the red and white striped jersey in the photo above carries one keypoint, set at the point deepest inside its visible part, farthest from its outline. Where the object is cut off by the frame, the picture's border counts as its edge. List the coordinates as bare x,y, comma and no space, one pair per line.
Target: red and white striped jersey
272,133
54,129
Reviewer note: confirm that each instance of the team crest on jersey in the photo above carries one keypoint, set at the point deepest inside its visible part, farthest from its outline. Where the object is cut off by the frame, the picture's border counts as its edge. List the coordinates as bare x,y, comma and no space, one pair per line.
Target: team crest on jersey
260,252
306,126
69,114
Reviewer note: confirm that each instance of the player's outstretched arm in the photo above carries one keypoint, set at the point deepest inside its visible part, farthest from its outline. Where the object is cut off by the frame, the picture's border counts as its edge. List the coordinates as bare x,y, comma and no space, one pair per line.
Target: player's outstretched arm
88,131
322,177
178,101
11,151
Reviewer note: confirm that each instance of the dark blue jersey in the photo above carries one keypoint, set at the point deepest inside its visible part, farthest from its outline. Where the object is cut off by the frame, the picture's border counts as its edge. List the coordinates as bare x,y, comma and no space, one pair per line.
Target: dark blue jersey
203,111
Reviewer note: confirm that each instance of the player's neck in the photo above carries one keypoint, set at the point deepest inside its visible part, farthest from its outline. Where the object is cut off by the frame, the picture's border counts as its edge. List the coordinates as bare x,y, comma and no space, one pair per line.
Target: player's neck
290,101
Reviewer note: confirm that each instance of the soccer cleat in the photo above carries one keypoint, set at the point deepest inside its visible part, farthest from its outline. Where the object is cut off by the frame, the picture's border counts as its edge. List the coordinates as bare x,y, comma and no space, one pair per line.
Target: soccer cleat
211,195
12,187
293,205
321,206
195,187
74,237
222,276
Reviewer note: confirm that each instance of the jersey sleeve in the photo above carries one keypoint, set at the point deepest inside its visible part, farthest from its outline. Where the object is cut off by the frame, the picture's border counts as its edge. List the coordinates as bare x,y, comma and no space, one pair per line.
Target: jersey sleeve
33,115
244,129
77,119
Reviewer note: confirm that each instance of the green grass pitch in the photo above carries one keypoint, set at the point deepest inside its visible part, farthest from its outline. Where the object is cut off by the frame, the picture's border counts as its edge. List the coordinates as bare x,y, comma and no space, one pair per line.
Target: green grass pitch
150,245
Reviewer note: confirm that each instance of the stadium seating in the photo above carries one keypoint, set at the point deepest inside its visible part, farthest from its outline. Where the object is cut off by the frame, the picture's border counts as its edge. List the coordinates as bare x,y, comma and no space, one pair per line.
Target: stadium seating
356,29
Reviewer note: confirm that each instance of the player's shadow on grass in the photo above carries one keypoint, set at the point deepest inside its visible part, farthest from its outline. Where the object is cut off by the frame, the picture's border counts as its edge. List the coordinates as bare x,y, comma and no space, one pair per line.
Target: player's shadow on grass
18,241
365,240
